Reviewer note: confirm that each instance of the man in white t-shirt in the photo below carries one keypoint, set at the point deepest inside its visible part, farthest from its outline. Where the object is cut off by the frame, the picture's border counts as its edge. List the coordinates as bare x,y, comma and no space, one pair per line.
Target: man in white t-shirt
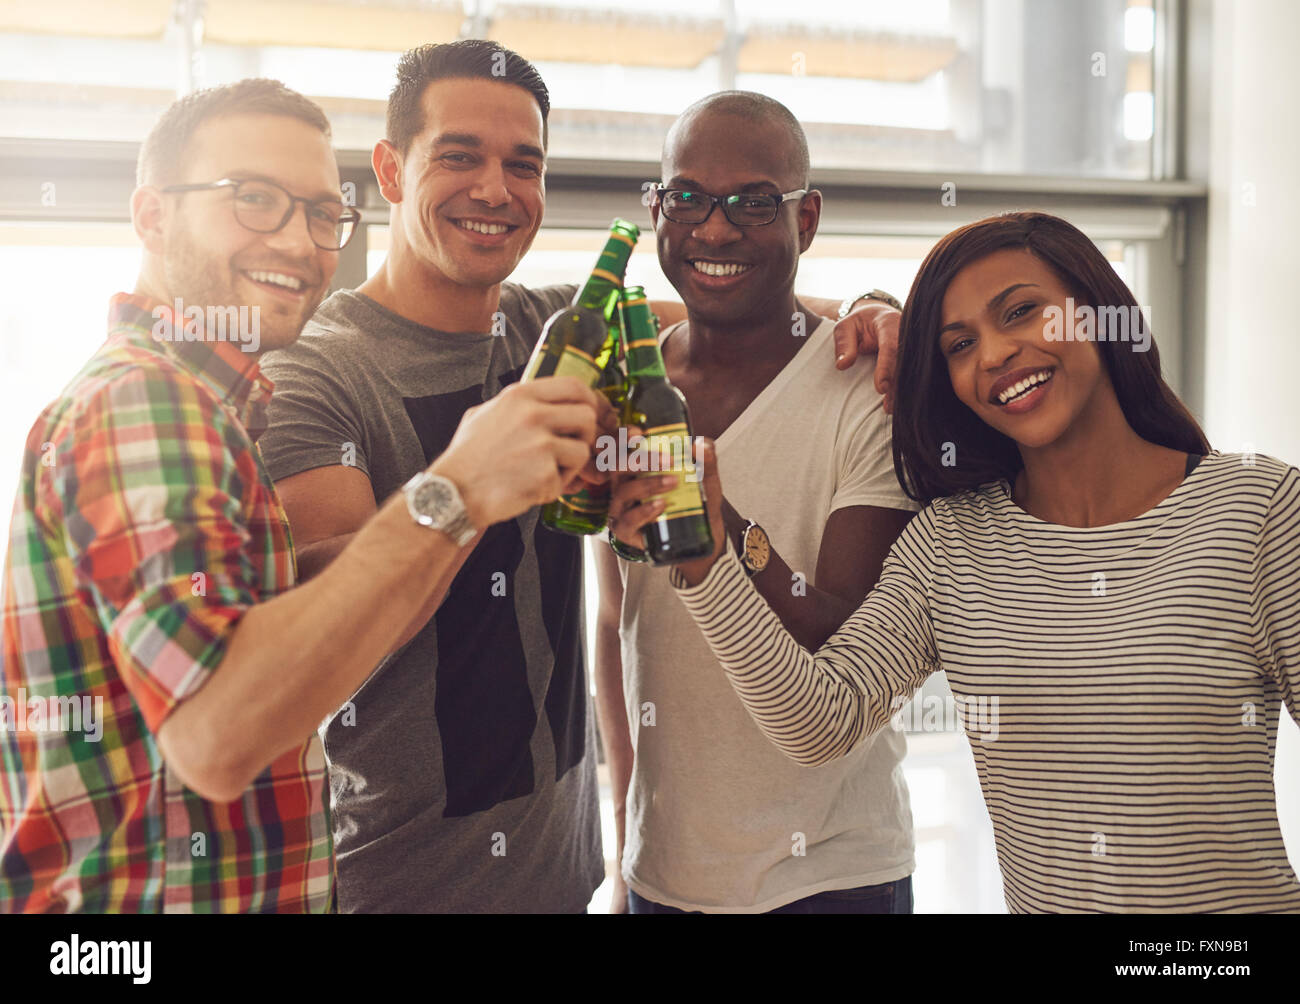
710,815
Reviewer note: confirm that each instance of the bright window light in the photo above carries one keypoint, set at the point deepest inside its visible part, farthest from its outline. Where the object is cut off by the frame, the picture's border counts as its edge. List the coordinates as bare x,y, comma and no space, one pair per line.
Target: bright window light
1139,29
1139,115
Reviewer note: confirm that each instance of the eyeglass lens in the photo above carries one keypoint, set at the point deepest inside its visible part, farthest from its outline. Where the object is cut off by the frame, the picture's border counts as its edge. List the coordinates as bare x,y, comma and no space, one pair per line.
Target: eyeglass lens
742,209
265,208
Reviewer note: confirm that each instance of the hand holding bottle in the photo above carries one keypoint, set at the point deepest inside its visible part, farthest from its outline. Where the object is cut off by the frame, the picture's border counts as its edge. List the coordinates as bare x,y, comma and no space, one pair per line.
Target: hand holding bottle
524,447
636,502
584,340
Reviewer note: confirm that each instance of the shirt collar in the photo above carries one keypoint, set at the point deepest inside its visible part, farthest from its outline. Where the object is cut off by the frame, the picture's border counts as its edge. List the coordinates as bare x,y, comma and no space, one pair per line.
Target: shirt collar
233,374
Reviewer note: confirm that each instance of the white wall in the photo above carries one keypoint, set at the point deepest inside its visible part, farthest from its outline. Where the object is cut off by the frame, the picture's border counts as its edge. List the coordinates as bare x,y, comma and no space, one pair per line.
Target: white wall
1252,355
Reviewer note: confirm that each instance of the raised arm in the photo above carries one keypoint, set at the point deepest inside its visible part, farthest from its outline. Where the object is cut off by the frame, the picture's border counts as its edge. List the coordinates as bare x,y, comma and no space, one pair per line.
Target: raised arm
866,513
228,681
815,707
295,659
854,543
327,506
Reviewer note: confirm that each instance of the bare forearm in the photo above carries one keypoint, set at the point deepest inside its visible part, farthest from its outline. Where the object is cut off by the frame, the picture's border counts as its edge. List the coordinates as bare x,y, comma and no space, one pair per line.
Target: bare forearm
811,615
297,658
314,557
293,660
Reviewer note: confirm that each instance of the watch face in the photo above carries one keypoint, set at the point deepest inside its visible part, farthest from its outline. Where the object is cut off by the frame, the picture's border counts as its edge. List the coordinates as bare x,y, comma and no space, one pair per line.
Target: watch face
757,548
431,499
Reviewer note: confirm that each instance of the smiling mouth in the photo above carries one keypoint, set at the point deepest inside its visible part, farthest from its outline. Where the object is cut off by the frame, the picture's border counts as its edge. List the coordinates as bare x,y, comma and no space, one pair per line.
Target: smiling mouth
1023,387
480,227
276,280
720,268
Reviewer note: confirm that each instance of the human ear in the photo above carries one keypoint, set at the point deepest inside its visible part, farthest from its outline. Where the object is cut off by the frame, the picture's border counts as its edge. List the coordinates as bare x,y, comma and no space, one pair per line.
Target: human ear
387,165
148,216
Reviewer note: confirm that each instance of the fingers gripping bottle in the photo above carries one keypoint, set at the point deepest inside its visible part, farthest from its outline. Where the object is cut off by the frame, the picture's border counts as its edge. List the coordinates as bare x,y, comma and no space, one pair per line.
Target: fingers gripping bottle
583,340
682,530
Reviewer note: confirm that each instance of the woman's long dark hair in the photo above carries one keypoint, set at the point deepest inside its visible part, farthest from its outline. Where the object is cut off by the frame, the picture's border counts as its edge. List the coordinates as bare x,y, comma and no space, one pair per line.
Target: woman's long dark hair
931,425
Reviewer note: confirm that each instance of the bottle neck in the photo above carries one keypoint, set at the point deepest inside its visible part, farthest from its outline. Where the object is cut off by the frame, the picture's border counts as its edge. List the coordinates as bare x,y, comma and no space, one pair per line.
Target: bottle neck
644,360
606,279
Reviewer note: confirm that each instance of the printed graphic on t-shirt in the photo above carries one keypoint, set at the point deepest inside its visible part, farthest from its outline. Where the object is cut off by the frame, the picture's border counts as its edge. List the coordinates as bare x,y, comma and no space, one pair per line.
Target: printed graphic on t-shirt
483,705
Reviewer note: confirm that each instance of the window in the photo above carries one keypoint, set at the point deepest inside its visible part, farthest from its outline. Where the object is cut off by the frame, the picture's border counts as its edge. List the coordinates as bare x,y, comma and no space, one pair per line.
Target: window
938,85
904,104
61,276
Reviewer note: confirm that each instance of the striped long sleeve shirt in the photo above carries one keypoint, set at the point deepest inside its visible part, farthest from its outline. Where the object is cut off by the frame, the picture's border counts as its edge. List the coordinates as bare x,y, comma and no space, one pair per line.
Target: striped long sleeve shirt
1120,685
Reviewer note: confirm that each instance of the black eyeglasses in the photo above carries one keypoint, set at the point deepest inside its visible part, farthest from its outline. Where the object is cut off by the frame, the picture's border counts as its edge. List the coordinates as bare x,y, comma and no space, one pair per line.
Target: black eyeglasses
744,209
264,207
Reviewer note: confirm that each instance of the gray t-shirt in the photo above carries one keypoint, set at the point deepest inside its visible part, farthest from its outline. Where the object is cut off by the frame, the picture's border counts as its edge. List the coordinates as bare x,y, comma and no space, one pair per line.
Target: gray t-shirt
462,776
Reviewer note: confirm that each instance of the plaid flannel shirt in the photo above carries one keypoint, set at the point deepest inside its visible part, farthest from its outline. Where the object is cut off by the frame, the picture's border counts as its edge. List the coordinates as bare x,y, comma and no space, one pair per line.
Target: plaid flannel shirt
144,526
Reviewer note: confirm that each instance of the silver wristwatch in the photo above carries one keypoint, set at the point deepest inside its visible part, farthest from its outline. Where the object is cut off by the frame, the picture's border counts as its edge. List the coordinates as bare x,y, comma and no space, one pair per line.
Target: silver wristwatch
847,306
433,501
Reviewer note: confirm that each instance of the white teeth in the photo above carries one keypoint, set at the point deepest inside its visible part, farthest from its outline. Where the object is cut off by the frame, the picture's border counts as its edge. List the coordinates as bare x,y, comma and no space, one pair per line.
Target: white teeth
278,279
483,228
1027,383
717,268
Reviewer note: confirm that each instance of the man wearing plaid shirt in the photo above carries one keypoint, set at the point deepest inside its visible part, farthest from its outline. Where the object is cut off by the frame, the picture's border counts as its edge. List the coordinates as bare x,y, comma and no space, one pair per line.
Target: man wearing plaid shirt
161,681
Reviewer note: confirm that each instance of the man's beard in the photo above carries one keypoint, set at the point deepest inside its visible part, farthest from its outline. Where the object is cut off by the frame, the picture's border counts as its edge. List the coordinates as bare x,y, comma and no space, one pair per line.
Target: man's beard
201,279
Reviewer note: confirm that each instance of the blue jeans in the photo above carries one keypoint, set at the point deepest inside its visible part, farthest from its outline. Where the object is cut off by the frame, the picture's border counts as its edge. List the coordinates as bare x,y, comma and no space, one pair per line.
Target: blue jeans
892,897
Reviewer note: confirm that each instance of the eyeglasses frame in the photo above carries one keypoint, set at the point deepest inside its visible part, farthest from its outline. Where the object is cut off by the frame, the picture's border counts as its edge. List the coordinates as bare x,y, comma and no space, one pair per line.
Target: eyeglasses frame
350,213
718,200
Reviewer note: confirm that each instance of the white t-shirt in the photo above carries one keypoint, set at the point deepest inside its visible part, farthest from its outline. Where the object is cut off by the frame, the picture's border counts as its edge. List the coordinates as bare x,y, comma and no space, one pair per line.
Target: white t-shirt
719,819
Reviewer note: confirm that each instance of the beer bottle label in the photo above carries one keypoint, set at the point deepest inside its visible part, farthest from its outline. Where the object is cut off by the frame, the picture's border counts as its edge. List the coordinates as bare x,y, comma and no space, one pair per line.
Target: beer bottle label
573,362
668,449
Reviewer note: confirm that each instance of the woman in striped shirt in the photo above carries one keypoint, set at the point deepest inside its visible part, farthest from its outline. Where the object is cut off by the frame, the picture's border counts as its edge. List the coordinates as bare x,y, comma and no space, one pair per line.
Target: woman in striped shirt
1116,606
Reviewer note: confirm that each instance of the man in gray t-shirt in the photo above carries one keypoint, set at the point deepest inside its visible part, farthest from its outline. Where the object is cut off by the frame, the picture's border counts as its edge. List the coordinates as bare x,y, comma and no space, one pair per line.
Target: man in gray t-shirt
462,772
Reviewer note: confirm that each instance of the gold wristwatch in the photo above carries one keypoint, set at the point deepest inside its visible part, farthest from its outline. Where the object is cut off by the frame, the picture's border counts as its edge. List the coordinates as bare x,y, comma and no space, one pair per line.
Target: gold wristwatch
755,549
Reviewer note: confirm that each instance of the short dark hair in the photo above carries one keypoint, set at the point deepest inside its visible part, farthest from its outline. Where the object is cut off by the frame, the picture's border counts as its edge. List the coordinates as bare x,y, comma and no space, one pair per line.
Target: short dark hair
467,58
163,149
756,108
928,414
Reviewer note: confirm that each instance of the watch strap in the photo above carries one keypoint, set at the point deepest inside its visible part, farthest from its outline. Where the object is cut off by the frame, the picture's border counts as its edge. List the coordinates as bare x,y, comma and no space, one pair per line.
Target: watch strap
455,522
847,306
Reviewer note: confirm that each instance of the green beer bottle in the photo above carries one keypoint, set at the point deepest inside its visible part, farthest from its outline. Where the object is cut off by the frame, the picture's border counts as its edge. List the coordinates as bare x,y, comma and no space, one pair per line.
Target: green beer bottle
583,340
578,340
682,530
587,510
